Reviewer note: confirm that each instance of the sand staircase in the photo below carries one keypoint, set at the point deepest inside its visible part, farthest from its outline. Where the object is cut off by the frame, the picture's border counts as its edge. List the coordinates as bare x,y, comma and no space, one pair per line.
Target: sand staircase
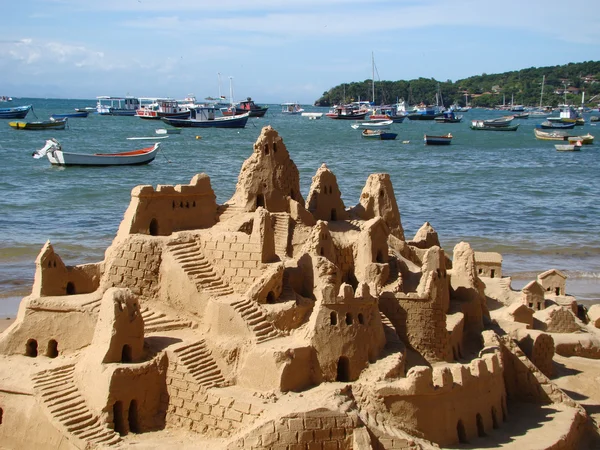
198,268
226,212
281,227
256,320
197,360
61,399
155,321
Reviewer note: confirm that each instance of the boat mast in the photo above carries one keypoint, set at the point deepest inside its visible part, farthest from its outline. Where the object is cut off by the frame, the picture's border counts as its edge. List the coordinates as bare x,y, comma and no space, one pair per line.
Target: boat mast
231,90
542,94
373,76
220,96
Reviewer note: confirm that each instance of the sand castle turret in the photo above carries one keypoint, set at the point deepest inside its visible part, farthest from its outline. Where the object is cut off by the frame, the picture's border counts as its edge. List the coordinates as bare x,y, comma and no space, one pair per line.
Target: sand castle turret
324,199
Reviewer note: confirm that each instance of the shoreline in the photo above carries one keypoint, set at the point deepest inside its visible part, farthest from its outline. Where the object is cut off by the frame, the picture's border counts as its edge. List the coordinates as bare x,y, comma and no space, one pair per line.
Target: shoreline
6,322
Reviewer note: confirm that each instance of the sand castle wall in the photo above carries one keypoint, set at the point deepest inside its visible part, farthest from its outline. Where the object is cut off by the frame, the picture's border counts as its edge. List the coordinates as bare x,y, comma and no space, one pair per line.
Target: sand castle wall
166,209
441,404
318,429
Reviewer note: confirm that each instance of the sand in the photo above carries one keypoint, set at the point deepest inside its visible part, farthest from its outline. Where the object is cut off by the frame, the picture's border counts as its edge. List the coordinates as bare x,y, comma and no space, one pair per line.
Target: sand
6,322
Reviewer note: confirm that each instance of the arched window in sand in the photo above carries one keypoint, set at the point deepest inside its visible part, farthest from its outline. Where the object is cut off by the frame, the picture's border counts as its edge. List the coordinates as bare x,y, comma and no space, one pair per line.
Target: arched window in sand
260,200
348,319
266,149
132,417
379,257
504,409
480,427
52,350
274,147
343,369
292,193
333,318
153,227
322,251
118,419
461,433
494,418
126,354
333,214
1,413
492,273
71,288
271,297
31,348
361,319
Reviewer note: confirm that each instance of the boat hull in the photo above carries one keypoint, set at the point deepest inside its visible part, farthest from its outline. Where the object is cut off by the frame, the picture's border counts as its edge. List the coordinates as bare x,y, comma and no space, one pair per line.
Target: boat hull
438,140
58,124
420,116
219,122
133,158
358,116
379,135
18,112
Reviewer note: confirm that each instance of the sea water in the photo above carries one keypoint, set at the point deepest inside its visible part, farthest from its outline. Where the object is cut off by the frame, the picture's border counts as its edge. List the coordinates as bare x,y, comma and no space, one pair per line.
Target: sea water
504,192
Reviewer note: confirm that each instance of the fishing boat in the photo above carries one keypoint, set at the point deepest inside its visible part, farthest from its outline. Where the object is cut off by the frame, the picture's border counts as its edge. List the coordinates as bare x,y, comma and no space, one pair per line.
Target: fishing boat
426,113
205,117
547,125
88,109
54,124
595,119
481,125
445,139
76,114
562,135
246,106
117,106
17,112
379,134
373,125
568,147
291,108
521,115
168,131
162,107
346,112
53,151
388,112
567,114
448,117
497,122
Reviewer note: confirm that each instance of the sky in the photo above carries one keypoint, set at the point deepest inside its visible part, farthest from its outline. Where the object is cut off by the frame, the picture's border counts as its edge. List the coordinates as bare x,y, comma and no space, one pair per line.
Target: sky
277,51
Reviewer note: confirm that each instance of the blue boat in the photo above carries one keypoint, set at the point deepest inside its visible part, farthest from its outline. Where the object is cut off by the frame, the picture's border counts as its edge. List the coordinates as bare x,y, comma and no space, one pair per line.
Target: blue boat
69,115
204,117
18,112
379,134
556,125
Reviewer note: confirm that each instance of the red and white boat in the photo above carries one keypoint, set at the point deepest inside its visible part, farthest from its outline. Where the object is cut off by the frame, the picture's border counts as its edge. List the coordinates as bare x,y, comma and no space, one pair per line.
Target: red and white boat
160,108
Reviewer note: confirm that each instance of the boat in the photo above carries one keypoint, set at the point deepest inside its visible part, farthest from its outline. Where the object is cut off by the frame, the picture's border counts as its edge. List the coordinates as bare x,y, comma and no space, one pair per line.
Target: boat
595,119
161,107
346,112
497,122
312,115
426,113
562,135
445,139
388,112
76,114
547,125
291,108
205,117
168,131
88,109
17,112
448,117
5,98
568,147
117,106
246,106
481,125
373,125
567,114
521,115
379,134
53,151
54,124
147,138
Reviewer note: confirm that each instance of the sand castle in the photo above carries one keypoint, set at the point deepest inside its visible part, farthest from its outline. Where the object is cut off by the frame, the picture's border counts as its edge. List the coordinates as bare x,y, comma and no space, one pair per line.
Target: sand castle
274,322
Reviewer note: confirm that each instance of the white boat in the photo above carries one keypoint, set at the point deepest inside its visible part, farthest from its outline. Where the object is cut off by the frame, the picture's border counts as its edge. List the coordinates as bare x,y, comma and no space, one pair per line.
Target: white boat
291,108
53,151
117,106
168,131
373,125
312,115
568,147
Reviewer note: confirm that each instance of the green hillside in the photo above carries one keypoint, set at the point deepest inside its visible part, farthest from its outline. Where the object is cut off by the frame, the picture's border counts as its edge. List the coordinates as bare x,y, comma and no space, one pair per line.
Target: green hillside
483,90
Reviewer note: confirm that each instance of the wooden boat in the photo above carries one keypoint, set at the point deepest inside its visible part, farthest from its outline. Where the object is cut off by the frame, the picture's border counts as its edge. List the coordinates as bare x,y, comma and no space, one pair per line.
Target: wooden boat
448,117
246,106
54,124
147,138
373,125
88,109
204,117
481,125
379,134
117,106
17,112
426,113
346,112
498,122
76,114
522,115
53,151
162,107
291,108
168,131
388,113
445,139
547,125
561,135
595,119
568,147
586,139
567,114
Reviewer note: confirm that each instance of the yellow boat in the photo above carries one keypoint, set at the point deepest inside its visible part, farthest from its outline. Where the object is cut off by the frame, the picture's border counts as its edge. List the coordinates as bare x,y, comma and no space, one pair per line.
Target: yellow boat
562,135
